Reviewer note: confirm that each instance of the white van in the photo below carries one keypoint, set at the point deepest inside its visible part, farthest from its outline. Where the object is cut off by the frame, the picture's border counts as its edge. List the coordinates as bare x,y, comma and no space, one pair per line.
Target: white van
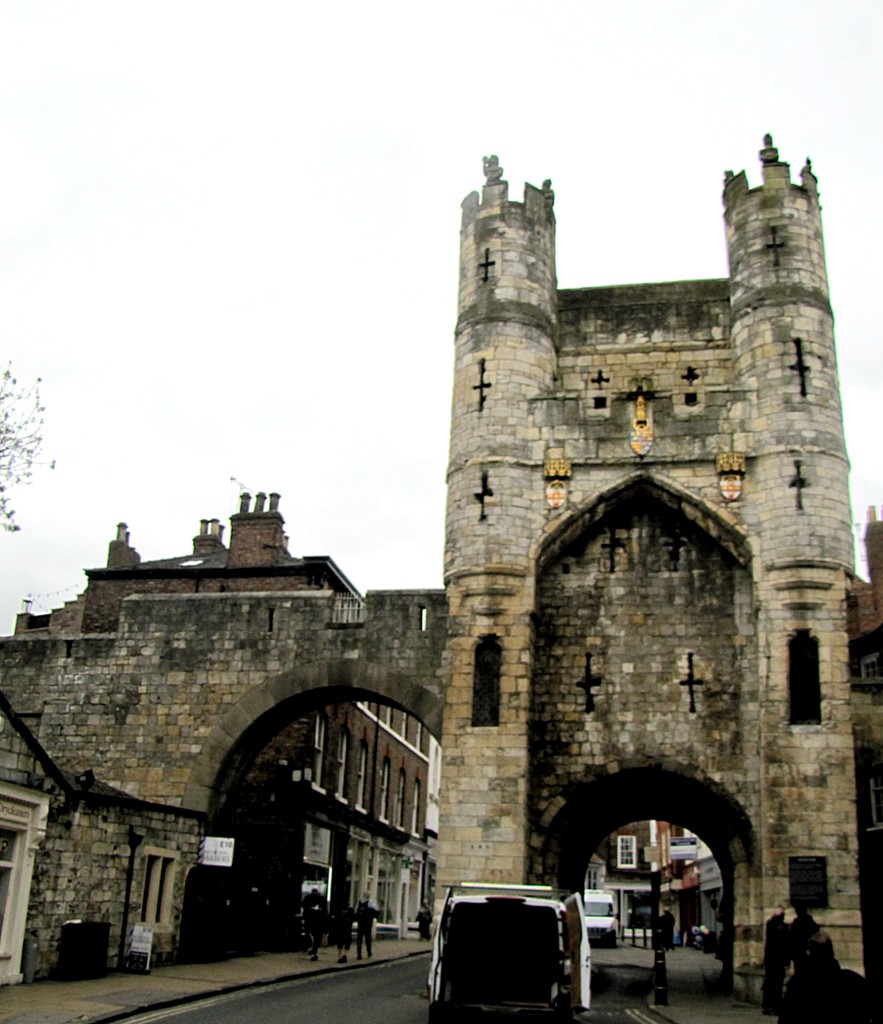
601,923
509,949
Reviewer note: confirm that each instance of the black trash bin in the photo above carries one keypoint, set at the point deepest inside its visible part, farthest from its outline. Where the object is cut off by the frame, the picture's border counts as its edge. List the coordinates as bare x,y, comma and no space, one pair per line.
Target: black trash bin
83,950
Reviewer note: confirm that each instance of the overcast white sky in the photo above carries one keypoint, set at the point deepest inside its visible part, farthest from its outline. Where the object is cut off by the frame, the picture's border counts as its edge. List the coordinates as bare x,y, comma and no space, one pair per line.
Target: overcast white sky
229,236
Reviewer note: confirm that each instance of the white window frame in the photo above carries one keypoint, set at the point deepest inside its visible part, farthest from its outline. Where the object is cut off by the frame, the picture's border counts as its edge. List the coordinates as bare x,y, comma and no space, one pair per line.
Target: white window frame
399,812
343,750
362,776
415,808
384,790
320,732
626,853
870,669
876,788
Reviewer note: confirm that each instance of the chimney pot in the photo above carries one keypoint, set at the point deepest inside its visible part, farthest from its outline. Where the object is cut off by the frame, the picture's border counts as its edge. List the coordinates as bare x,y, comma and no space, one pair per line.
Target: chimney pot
244,502
274,501
259,500
872,513
122,533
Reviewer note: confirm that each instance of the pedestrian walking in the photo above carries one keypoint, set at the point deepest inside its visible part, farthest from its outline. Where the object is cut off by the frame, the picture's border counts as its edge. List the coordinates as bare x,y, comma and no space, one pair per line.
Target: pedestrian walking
343,931
424,920
366,913
314,908
824,991
776,957
667,929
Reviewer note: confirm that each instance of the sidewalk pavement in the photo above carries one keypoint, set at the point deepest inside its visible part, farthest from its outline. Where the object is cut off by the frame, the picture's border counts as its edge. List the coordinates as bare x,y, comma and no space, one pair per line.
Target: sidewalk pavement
694,995
120,995
692,978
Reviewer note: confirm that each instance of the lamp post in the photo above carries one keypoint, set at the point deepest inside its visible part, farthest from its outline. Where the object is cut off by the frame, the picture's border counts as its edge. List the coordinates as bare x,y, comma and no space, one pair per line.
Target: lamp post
135,840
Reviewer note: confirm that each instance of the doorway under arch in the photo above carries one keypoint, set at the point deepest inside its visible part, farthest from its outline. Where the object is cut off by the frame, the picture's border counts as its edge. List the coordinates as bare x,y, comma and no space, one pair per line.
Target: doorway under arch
577,822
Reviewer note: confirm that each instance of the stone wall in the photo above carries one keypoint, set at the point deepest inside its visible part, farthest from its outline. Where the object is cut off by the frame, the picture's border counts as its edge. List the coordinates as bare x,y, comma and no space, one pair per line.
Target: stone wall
155,709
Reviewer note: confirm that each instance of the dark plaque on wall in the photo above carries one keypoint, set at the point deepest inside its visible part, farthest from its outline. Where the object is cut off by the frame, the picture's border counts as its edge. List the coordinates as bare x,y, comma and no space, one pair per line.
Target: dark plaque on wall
808,880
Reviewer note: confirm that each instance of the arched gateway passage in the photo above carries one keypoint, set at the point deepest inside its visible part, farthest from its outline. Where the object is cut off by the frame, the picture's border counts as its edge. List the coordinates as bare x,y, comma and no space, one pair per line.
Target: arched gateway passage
325,789
577,823
595,809
247,726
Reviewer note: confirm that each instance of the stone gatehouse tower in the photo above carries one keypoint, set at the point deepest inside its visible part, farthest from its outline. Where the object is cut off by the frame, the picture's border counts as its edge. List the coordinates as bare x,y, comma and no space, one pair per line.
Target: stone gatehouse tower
648,549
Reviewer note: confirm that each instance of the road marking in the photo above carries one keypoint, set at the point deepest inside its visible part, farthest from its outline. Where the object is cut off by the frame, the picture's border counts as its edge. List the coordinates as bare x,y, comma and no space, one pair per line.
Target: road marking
642,1018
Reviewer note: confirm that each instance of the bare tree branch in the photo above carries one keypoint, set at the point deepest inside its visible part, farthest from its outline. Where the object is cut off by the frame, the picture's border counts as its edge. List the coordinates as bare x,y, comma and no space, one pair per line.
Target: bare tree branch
21,437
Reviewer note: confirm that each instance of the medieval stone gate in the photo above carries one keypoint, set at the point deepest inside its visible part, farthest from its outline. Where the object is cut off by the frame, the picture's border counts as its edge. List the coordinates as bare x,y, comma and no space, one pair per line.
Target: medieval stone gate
647,555
648,548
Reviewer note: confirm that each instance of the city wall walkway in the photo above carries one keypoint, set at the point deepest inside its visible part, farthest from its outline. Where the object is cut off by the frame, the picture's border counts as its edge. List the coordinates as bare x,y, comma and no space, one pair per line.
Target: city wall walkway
692,979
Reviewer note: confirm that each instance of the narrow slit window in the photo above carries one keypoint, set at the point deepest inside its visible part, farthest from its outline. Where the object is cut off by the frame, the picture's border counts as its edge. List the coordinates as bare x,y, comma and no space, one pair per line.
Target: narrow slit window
486,682
804,688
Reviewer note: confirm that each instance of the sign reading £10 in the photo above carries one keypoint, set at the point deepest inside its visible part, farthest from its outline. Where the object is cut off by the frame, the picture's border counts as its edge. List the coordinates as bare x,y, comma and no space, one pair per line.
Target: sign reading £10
216,851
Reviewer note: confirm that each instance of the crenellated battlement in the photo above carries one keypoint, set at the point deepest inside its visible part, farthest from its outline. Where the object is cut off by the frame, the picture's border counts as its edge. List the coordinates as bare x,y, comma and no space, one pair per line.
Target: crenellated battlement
774,237
535,209
776,174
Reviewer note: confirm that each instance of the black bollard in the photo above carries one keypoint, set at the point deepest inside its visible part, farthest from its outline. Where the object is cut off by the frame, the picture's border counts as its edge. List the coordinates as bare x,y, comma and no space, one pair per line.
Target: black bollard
660,977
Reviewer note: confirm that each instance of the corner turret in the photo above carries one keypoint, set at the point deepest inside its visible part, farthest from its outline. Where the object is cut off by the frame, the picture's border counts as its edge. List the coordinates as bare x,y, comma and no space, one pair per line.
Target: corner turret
505,355
782,333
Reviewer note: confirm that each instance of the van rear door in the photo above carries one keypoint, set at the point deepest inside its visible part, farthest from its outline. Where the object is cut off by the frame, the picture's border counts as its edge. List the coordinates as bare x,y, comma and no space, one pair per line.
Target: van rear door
580,954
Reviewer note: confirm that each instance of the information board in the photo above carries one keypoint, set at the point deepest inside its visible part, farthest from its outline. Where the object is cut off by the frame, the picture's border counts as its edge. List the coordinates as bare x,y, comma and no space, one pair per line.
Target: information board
140,946
808,881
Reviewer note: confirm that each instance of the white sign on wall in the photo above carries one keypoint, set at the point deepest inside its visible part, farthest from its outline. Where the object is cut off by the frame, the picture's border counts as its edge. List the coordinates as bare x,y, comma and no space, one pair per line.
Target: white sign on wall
683,847
216,851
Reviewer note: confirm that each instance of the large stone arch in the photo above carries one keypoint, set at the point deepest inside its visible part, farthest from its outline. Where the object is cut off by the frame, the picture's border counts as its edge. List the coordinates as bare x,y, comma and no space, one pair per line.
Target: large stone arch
249,723
576,822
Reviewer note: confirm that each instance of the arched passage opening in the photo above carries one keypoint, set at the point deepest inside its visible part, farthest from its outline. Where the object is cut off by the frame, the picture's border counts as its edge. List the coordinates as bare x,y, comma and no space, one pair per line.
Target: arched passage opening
576,824
327,789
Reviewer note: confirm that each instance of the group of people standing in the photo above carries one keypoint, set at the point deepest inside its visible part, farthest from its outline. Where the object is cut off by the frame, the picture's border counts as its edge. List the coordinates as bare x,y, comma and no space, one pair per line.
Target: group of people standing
819,989
340,925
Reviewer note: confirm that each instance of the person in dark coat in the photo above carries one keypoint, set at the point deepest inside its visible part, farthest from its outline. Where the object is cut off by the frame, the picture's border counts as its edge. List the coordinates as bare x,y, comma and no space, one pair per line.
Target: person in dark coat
314,920
824,991
800,929
424,920
366,912
343,931
667,929
776,957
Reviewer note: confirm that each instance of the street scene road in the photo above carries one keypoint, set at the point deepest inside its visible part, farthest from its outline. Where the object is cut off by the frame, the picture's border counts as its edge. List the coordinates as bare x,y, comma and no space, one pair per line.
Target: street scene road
395,993
390,993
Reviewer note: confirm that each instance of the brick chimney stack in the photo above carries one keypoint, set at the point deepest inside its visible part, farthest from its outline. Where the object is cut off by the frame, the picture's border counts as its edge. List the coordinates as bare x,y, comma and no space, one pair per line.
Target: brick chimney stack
210,537
119,552
257,537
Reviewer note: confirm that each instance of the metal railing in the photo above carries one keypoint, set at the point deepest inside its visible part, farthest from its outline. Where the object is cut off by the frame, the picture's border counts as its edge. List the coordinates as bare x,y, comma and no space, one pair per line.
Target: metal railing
347,609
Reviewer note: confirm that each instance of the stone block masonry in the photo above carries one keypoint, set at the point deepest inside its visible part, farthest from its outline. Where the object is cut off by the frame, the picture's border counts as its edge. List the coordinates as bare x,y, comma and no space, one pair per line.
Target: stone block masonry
648,518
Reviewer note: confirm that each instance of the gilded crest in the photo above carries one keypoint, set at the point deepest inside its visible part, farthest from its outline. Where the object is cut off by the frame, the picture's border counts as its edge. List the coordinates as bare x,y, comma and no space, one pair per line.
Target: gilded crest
731,470
641,434
556,493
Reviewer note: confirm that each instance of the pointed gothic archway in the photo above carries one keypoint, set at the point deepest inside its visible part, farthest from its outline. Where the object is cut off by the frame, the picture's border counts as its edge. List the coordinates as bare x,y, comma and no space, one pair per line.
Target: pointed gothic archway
652,490
644,684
